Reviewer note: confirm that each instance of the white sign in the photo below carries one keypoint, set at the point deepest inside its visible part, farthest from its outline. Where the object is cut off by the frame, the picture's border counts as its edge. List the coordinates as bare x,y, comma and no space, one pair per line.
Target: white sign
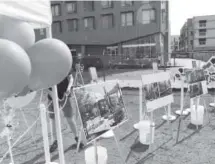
157,90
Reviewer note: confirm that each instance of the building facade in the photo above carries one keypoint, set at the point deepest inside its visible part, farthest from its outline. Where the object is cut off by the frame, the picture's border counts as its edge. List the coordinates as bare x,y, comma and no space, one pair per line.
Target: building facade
174,43
121,29
204,33
197,36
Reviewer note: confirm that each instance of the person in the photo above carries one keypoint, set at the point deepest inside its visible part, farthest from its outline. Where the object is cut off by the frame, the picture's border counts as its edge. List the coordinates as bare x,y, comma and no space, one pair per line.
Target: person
64,89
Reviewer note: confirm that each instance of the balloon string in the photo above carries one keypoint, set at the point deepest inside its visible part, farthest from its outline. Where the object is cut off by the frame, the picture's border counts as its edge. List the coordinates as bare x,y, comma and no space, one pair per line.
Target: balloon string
41,96
20,138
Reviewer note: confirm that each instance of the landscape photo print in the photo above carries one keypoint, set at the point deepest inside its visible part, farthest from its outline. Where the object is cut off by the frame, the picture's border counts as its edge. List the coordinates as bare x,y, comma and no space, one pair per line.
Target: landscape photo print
101,108
157,90
198,89
194,76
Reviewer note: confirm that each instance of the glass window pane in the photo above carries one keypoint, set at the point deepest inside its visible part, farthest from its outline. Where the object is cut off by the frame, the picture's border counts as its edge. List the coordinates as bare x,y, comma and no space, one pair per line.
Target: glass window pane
145,16
85,23
71,7
152,12
129,19
123,19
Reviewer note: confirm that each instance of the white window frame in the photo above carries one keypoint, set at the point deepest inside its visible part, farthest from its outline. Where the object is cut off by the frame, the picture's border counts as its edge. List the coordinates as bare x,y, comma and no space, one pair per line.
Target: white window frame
86,22
73,6
202,42
72,20
125,17
127,3
152,16
107,4
56,8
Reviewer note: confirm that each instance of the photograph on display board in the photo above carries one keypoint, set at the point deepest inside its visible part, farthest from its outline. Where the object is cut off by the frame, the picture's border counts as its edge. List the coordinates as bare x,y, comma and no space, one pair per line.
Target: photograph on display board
209,69
101,108
195,76
157,90
194,64
198,89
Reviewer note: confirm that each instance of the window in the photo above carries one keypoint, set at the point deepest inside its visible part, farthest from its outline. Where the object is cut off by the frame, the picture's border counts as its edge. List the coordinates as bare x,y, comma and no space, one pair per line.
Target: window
72,24
56,10
202,41
88,5
56,27
127,19
107,4
163,15
191,33
71,7
202,32
126,3
191,42
148,16
107,21
89,23
145,1
202,23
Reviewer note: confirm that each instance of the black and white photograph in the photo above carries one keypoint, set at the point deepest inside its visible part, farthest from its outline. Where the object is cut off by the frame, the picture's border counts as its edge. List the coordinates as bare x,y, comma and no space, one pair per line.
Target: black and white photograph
195,76
101,108
157,90
80,76
196,89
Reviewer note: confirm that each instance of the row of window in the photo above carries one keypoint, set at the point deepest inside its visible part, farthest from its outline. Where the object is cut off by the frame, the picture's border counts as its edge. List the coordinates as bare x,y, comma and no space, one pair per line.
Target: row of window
72,6
202,23
202,41
127,19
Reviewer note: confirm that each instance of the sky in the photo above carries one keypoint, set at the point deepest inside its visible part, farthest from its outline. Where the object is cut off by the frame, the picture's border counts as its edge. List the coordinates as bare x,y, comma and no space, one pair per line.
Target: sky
180,10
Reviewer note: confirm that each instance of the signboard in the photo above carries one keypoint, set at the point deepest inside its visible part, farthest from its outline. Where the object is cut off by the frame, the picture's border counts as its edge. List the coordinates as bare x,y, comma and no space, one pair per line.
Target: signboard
197,82
209,69
101,108
157,90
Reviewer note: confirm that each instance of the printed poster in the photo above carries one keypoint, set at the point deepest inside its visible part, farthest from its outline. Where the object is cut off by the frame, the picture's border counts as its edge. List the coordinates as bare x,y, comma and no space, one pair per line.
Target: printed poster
157,90
101,108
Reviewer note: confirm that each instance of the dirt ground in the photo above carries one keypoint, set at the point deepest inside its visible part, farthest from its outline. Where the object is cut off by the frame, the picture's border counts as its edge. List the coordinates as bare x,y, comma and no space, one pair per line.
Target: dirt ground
194,147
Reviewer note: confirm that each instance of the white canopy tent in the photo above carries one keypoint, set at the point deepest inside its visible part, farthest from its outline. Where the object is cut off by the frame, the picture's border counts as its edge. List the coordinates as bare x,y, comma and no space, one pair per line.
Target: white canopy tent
35,12
38,14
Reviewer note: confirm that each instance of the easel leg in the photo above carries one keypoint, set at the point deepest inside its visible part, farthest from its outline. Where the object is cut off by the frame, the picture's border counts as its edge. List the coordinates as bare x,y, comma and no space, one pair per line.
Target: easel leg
168,120
151,135
117,144
75,80
196,108
79,140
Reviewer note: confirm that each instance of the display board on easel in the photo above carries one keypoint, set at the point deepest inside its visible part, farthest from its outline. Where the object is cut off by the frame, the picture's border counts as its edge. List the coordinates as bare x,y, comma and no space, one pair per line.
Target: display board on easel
101,108
157,89
197,87
155,93
209,69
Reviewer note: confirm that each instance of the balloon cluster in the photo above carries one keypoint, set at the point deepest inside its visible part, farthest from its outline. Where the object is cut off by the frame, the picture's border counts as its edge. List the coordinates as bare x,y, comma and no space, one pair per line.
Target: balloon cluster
26,64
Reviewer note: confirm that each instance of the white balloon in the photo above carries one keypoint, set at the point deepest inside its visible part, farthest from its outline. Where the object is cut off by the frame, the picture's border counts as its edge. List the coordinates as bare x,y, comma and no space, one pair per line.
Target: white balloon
15,68
21,101
17,31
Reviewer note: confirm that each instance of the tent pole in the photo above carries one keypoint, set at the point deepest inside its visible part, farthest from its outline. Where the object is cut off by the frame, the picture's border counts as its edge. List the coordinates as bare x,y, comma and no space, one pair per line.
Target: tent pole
57,112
